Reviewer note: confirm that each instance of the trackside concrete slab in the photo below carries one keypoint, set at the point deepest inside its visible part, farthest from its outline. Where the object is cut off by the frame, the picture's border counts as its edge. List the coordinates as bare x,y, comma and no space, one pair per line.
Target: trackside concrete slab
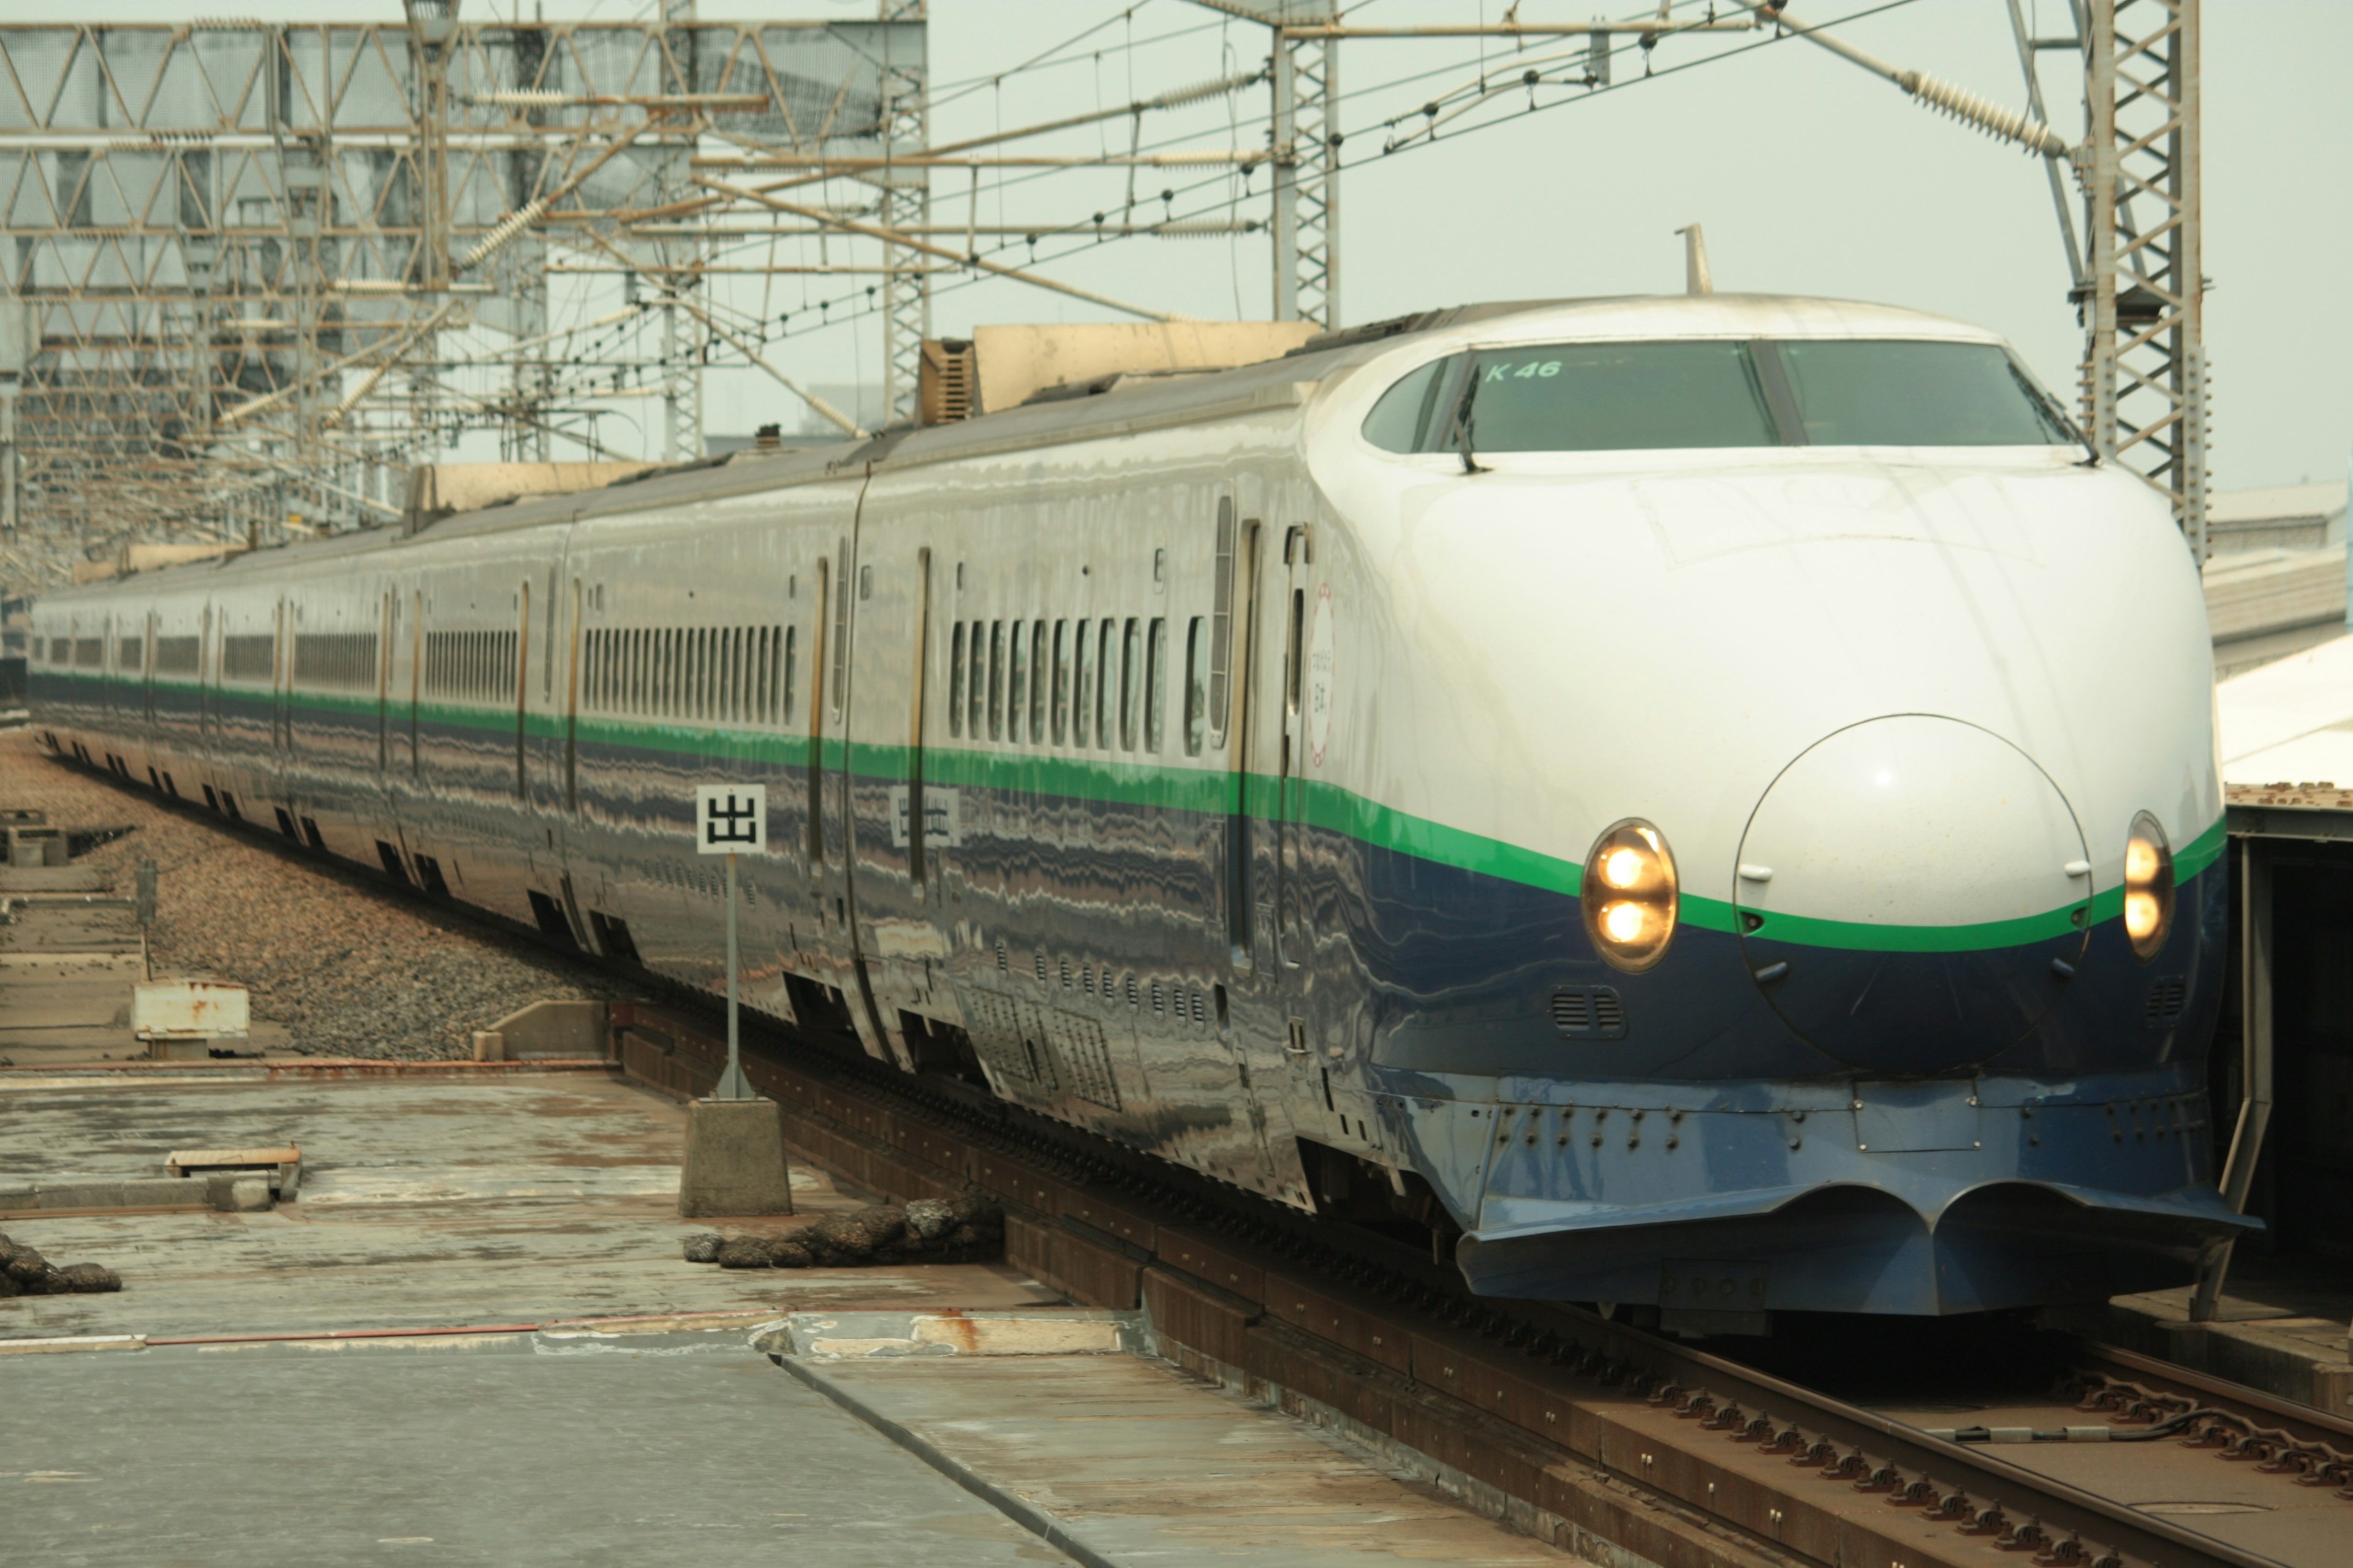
1125,1462
512,1450
423,1204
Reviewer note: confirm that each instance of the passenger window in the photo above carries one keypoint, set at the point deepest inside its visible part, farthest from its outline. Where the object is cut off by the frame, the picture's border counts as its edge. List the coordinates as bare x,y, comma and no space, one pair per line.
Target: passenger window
791,659
977,693
1400,419
1155,659
1061,680
1221,634
775,664
1106,682
1082,688
1130,666
736,684
1038,683
1196,685
955,681
997,680
1017,685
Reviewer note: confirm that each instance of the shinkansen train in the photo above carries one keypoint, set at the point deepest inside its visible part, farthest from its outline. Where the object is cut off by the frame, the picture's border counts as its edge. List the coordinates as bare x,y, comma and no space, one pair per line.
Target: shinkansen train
1699,804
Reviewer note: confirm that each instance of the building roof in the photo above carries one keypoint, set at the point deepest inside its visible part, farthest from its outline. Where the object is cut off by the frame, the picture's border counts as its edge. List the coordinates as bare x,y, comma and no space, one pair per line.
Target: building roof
2291,721
2277,503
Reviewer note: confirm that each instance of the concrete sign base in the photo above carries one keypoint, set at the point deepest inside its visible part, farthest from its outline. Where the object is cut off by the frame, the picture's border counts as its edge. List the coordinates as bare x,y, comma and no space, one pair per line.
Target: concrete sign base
734,1159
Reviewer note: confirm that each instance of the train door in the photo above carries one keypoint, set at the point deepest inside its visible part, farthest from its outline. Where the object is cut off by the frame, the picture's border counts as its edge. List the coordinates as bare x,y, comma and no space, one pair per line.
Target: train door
895,957
1307,1082
832,826
416,686
1291,936
388,618
523,693
147,678
282,689
208,674
547,746
1245,1021
1265,902
1239,542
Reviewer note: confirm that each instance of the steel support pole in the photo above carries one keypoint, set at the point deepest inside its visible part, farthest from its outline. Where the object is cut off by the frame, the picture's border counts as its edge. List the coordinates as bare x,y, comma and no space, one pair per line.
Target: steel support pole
732,1084
2255,1061
906,193
1283,225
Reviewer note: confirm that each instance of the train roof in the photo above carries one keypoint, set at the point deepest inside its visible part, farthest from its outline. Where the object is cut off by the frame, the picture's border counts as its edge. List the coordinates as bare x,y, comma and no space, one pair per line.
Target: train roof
1129,405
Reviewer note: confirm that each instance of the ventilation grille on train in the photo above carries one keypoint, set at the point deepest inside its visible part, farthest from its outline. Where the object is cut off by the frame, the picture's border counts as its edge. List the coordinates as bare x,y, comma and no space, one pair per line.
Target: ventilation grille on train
1588,1013
2165,999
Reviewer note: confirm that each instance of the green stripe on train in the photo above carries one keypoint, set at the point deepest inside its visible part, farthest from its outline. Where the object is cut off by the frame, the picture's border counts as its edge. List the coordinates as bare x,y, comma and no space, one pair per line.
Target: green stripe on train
1211,791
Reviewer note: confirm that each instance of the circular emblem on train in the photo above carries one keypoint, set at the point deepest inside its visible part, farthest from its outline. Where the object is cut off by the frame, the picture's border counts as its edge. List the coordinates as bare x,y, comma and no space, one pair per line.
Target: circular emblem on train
1319,677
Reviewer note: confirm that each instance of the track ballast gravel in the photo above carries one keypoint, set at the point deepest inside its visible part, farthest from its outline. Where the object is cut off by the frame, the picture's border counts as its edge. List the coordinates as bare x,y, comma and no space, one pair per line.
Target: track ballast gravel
348,973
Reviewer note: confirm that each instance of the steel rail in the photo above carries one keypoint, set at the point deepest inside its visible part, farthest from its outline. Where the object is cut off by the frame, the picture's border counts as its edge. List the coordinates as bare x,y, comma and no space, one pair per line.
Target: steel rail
2023,1495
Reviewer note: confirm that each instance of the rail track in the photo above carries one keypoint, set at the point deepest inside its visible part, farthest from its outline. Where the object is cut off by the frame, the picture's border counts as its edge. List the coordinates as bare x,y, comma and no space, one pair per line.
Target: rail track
1602,1435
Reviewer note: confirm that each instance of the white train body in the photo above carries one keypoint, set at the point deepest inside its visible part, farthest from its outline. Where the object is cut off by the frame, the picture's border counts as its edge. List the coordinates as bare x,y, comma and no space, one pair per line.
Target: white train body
1314,917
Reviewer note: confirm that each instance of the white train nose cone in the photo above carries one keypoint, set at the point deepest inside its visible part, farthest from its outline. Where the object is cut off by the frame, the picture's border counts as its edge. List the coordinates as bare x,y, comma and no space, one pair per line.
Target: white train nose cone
1918,897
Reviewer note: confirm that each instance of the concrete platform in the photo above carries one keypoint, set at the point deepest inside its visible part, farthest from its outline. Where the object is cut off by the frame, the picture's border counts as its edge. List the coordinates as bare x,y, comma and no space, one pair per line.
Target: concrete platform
2281,1326
424,1204
472,1334
1121,1460
656,1450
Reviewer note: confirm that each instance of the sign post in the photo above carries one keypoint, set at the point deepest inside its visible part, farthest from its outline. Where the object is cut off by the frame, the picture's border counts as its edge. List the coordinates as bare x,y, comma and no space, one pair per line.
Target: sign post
729,819
734,1139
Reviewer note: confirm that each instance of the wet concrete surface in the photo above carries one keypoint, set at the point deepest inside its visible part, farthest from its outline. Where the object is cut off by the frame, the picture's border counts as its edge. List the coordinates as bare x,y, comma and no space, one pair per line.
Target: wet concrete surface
667,1453
473,1338
1140,1464
538,1197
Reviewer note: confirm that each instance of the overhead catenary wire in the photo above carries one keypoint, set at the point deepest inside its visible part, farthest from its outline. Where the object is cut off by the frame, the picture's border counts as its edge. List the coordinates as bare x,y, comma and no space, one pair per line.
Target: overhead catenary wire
843,308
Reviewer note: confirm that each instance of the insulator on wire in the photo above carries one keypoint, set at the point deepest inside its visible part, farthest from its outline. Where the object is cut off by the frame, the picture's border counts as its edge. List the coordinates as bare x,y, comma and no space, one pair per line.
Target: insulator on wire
1177,98
503,233
1991,118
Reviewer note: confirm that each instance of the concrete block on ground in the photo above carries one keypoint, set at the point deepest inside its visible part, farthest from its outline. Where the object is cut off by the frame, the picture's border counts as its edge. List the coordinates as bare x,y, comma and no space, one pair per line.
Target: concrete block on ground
570,1030
2295,1355
832,1336
98,1193
734,1159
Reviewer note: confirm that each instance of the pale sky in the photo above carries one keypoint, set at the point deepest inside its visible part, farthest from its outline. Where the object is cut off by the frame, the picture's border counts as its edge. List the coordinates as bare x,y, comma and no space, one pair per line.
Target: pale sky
1809,175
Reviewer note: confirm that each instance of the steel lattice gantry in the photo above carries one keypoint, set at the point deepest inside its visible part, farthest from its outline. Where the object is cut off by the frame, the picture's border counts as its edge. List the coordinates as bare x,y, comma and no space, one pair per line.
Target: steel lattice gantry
2145,375
1304,149
259,255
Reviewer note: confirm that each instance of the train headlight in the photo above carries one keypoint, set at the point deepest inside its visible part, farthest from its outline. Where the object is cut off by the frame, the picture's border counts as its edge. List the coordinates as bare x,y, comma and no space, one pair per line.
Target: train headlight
2148,887
1629,896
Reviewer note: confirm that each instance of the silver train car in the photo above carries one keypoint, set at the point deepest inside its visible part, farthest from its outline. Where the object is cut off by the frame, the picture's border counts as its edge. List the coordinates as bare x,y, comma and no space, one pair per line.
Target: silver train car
1702,804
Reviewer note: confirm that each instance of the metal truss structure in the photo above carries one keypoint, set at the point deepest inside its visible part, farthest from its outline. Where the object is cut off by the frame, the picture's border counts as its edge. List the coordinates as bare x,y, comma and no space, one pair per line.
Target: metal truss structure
254,270
2145,380
1304,149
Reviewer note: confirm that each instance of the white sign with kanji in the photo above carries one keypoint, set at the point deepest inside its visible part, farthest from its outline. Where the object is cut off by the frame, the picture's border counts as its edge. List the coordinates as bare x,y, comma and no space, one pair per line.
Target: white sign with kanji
731,819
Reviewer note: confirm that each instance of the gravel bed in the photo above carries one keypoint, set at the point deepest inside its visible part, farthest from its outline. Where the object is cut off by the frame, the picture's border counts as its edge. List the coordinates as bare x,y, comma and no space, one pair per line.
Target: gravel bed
348,973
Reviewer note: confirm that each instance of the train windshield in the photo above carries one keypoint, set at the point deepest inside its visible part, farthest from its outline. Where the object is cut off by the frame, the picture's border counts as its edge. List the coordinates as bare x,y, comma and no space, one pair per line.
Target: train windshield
1628,396
1869,392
